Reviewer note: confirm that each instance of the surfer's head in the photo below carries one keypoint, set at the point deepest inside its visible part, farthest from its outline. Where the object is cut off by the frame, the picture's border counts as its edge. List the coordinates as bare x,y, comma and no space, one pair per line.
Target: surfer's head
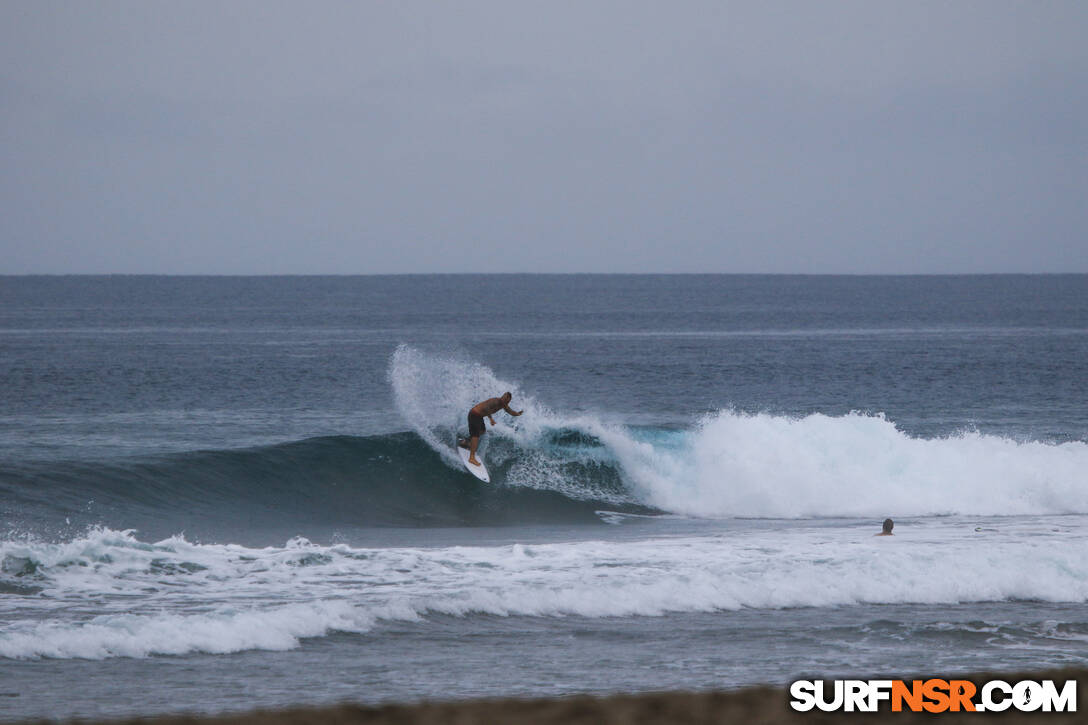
506,397
888,524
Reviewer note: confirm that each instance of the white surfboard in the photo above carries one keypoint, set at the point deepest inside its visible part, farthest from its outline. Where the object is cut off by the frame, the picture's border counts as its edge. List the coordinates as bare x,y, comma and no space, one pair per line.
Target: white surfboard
479,471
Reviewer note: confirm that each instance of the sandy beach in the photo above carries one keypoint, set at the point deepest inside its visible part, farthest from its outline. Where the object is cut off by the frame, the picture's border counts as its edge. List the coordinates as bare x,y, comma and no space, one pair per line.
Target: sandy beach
751,706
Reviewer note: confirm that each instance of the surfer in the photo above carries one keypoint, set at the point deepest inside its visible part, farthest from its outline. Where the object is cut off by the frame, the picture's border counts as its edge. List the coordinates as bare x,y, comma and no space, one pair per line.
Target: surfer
476,427
888,524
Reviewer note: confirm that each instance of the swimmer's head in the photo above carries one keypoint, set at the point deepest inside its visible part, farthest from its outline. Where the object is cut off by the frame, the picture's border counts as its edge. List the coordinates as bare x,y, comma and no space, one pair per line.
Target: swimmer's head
888,524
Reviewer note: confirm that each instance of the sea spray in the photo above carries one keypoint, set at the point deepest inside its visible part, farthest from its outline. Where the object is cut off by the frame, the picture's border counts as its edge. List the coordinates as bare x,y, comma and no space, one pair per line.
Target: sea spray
433,395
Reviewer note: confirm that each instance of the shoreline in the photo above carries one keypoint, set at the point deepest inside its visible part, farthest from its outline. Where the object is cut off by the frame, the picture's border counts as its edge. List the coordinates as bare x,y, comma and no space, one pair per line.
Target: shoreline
751,705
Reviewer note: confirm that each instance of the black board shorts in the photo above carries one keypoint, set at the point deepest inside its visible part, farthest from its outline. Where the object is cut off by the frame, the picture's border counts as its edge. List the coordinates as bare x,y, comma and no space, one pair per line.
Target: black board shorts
476,425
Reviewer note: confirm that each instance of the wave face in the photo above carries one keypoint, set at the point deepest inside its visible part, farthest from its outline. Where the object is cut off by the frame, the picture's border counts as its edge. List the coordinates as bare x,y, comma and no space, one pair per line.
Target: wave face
735,464
548,468
176,597
393,480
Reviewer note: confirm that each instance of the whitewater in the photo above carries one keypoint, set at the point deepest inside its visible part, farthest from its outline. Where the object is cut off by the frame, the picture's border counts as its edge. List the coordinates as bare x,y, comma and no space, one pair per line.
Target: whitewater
175,597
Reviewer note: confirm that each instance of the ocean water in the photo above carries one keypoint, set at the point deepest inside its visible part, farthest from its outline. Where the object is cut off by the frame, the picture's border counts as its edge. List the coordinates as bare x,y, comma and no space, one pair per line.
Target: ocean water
225,493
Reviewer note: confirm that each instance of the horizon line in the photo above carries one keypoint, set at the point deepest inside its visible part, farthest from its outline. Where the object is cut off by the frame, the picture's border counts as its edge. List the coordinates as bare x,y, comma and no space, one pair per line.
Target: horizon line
542,274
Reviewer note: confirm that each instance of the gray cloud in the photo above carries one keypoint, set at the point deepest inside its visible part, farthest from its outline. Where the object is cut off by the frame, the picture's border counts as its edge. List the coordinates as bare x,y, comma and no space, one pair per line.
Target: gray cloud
260,137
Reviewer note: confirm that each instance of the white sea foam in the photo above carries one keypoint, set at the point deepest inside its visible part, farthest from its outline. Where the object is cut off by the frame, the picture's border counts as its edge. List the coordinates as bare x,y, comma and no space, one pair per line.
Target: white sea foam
736,464
861,465
174,596
218,632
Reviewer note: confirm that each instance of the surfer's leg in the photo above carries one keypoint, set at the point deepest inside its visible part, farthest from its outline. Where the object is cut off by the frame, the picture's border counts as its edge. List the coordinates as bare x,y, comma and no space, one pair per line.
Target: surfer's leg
476,428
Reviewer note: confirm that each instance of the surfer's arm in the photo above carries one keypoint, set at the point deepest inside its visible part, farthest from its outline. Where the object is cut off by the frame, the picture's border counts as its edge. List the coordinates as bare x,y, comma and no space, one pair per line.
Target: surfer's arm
492,419
514,413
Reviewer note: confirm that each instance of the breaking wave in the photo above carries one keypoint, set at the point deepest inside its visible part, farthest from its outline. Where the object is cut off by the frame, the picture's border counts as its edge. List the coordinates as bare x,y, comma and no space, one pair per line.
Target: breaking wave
547,468
737,464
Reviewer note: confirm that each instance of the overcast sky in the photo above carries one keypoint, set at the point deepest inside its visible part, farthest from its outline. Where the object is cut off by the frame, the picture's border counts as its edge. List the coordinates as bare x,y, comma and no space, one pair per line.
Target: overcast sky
382,137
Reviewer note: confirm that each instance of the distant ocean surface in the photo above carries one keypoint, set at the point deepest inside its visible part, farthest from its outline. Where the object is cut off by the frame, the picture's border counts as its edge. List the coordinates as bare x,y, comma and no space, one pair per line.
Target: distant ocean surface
225,493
